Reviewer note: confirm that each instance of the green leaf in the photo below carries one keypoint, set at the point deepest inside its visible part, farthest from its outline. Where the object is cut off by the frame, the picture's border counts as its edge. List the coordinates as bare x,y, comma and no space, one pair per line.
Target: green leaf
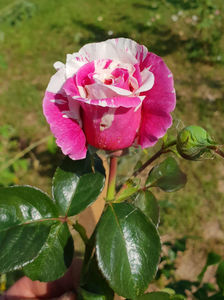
7,177
180,244
128,249
167,176
220,275
25,223
93,281
147,203
77,184
55,257
154,296
212,259
51,145
85,295
20,164
129,190
178,297
218,296
6,131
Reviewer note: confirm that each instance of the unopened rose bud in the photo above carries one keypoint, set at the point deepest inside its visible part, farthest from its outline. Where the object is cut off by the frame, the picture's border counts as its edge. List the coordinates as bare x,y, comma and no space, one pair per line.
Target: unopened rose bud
193,142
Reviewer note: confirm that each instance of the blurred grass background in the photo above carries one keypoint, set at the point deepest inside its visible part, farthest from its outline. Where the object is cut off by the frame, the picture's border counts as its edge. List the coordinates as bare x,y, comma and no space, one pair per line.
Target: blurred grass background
187,34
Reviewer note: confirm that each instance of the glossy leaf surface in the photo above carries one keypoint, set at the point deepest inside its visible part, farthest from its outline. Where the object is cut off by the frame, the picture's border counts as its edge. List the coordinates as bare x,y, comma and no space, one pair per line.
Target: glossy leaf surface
77,184
25,223
128,249
55,257
167,176
147,203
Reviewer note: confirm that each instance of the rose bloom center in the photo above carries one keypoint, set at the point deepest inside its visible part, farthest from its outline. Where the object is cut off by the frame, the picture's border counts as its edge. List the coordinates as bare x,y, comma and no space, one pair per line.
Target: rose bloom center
109,78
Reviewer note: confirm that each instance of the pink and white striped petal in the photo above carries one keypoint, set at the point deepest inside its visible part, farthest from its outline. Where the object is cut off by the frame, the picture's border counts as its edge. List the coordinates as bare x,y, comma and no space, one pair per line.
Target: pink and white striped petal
114,49
110,128
132,48
57,80
127,102
100,90
147,81
69,135
73,63
153,126
160,101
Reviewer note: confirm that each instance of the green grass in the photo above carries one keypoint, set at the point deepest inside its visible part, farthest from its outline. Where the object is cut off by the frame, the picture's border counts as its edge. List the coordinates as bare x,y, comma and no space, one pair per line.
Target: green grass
197,204
53,28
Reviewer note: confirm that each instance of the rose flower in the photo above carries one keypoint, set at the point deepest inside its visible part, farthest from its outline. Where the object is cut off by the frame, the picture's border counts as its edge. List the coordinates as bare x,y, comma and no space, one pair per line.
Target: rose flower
110,95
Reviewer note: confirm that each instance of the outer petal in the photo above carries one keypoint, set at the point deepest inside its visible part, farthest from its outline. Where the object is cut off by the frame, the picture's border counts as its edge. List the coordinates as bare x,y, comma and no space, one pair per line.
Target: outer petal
69,135
110,128
57,80
73,63
121,49
158,104
154,125
133,48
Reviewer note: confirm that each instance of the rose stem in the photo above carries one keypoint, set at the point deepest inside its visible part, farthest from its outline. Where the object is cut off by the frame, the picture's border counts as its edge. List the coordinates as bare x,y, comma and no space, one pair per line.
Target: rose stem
82,232
218,151
154,157
112,179
147,163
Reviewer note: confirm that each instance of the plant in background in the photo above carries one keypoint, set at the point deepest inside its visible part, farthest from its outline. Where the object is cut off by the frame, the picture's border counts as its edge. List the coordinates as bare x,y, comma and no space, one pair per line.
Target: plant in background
9,145
204,44
197,28
13,165
197,289
17,11
110,95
